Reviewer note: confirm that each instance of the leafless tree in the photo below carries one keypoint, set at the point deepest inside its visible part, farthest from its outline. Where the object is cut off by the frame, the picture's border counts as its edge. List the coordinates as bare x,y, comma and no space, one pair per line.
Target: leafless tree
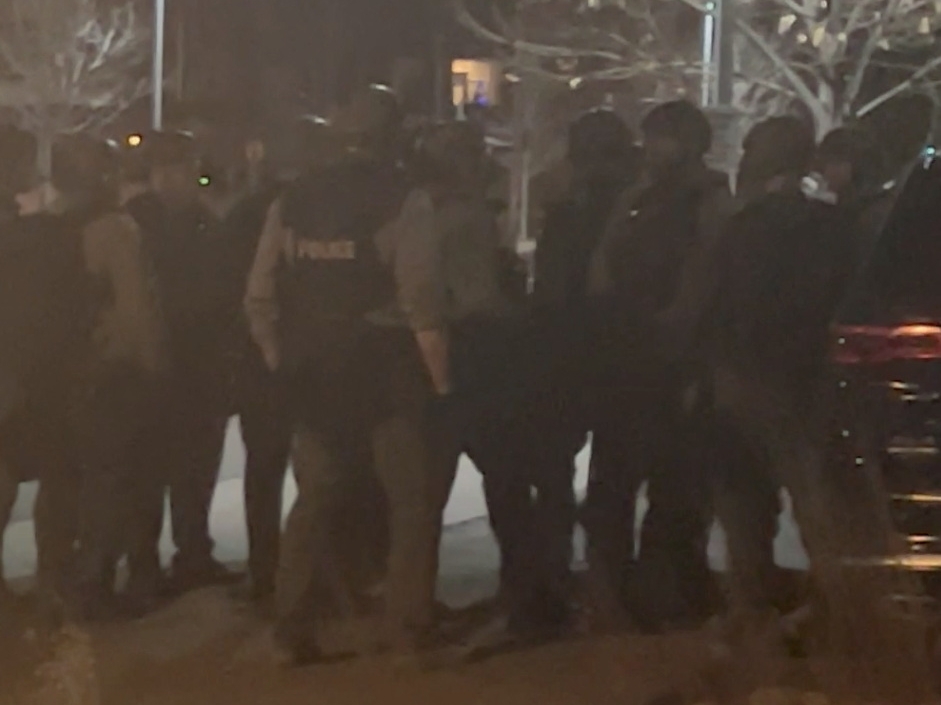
572,41
72,65
840,59
827,57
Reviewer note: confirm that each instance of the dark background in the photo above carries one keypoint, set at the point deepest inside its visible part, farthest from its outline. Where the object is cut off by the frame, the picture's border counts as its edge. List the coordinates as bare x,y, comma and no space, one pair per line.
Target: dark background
265,54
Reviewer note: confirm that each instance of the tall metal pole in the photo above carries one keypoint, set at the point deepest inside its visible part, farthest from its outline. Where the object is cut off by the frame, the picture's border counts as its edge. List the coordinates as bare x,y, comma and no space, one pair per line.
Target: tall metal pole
160,21
180,79
724,58
717,58
707,97
441,75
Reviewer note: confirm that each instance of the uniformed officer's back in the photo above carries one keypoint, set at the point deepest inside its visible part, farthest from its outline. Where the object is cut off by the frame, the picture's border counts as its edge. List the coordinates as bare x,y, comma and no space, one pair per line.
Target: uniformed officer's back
334,214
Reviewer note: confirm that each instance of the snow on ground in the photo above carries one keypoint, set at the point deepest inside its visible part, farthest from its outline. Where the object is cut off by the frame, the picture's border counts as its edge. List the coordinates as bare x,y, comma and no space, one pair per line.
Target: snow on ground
228,525
206,648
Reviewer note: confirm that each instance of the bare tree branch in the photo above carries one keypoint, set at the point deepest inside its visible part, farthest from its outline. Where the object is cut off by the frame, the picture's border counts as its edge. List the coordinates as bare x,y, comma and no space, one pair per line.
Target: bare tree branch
77,64
780,63
862,65
900,88
786,52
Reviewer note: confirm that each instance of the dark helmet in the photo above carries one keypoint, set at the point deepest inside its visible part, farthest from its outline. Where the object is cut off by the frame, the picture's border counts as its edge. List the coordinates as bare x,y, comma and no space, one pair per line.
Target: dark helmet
84,164
854,146
452,142
18,149
681,121
171,149
449,152
312,136
599,133
776,146
373,114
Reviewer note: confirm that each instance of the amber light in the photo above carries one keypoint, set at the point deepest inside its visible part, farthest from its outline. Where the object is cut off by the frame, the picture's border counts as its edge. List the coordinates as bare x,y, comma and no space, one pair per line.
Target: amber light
855,345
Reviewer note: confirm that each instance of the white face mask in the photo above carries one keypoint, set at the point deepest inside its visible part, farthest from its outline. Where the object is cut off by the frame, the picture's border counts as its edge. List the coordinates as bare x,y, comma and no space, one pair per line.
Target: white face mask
816,187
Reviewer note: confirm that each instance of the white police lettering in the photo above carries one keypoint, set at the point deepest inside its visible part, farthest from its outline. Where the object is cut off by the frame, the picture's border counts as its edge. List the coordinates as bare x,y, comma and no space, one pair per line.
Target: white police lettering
326,249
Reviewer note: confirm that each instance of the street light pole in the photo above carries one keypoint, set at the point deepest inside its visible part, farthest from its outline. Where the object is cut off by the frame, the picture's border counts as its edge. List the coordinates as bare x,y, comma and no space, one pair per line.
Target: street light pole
718,76
725,28
707,97
160,21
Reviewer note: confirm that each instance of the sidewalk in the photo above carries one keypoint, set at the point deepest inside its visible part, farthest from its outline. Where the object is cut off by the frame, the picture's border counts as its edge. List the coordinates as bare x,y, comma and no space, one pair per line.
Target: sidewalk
228,523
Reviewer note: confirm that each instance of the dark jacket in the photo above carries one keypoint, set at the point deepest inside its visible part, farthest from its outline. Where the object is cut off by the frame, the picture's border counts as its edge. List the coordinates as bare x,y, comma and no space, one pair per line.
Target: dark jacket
573,229
199,286
785,264
659,237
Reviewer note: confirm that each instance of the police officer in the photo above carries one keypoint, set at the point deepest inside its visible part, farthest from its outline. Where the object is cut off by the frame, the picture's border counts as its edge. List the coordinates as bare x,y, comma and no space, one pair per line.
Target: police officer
262,401
115,391
61,248
361,370
784,264
650,268
491,360
16,176
197,284
851,167
603,163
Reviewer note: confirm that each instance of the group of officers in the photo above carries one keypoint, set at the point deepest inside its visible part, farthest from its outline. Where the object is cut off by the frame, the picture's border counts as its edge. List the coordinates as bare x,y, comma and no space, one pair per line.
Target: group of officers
364,320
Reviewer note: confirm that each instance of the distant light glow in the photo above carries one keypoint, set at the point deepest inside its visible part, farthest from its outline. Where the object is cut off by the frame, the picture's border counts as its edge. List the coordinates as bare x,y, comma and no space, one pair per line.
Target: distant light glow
134,140
929,154
204,180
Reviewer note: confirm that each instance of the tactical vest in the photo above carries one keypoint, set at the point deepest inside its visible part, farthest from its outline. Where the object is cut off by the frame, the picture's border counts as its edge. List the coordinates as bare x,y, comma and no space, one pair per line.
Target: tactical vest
335,272
647,264
48,301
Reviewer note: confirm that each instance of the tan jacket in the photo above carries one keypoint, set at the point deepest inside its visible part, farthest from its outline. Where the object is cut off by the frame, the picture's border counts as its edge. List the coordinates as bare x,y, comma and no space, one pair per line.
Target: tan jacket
129,328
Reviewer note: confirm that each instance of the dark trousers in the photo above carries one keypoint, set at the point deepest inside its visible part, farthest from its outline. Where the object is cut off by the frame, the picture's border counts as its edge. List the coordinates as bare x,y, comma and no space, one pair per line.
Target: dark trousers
185,450
644,431
514,423
111,421
264,414
9,490
56,524
359,386
747,503
671,582
532,508
194,471
37,442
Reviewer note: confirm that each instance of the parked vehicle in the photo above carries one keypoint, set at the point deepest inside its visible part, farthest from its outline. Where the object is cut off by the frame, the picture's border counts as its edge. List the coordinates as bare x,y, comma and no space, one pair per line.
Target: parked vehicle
887,354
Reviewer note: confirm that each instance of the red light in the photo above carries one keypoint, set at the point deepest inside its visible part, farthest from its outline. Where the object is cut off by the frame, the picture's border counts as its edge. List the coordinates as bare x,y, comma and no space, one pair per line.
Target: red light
858,345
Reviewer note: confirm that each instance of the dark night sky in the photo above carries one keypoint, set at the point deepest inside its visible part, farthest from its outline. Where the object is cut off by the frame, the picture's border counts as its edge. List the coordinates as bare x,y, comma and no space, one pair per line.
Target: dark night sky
324,47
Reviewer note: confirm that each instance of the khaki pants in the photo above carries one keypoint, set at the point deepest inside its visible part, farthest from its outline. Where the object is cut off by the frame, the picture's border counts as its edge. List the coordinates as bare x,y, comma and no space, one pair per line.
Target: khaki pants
841,511
367,387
